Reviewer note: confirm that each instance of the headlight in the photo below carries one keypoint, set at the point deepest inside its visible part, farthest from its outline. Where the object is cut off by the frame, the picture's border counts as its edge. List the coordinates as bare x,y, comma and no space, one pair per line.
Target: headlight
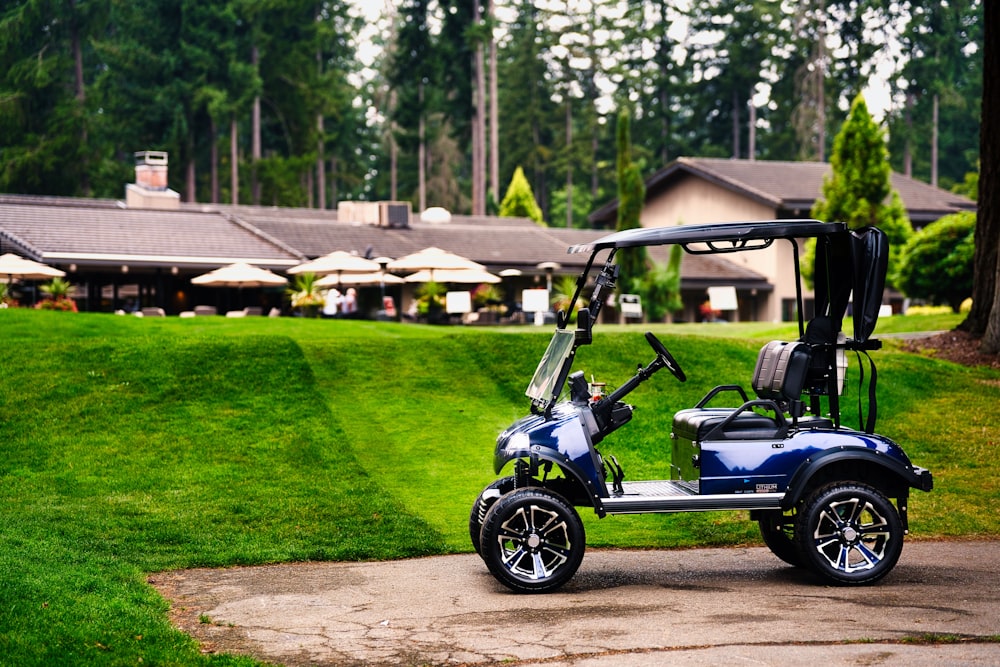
515,442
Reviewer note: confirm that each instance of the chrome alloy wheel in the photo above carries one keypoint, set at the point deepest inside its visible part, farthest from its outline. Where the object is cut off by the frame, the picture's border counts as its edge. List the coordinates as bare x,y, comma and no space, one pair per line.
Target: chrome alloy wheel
532,540
850,534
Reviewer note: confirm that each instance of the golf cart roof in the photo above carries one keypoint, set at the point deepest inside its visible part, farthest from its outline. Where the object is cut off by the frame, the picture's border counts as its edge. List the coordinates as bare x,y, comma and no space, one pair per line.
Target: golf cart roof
738,234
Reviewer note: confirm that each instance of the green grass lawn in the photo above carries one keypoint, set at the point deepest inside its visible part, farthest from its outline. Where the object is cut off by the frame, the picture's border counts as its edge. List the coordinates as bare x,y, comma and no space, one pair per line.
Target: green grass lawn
131,446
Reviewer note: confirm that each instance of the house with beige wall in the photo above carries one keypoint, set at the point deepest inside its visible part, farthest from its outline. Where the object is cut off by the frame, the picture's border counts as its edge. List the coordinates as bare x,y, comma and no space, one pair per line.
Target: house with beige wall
705,190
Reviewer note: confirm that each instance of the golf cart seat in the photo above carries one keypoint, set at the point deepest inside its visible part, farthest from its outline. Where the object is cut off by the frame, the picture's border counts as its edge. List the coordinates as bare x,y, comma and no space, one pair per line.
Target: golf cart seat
778,380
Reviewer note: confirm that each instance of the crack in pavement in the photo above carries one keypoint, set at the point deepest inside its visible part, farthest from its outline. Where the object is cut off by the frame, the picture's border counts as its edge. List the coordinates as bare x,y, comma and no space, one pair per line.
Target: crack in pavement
448,610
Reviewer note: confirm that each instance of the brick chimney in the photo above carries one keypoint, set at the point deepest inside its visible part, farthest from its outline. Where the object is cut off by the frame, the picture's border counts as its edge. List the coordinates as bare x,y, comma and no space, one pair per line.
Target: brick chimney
150,188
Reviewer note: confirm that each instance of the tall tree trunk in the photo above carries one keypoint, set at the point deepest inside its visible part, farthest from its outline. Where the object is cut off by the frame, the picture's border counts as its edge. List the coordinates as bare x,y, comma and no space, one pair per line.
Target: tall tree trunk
569,161
821,99
908,146
752,133
421,153
478,121
334,192
308,178
394,149
213,160
494,114
234,158
985,314
81,95
736,124
663,57
934,141
255,153
320,165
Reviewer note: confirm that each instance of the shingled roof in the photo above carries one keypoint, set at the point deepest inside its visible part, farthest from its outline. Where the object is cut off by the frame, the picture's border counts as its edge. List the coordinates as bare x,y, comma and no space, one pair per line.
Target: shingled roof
103,233
63,231
790,187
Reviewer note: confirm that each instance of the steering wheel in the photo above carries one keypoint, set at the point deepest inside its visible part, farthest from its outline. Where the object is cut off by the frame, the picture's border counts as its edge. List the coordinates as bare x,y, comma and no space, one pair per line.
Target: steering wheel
665,357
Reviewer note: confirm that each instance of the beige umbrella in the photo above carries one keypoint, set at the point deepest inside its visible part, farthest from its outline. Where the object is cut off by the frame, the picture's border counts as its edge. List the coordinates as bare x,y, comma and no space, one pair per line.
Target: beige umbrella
337,261
376,278
432,259
15,266
239,274
453,276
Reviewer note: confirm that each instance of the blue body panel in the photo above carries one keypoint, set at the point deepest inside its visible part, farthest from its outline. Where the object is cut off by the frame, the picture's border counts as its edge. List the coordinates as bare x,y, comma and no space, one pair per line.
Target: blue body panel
562,439
767,466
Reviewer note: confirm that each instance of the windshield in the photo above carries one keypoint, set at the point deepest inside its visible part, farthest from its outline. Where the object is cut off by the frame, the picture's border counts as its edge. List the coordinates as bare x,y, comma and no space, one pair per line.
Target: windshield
547,378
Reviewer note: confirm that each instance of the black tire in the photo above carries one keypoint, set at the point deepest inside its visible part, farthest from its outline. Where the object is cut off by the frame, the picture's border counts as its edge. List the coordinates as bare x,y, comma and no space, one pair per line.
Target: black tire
778,530
484,502
532,540
849,534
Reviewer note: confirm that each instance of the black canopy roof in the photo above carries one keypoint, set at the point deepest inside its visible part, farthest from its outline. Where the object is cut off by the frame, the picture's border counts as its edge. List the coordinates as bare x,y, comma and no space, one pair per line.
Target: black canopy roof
847,261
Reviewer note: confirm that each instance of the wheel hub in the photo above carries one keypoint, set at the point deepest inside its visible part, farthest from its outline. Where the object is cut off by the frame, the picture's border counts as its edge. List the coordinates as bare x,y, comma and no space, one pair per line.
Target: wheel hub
533,541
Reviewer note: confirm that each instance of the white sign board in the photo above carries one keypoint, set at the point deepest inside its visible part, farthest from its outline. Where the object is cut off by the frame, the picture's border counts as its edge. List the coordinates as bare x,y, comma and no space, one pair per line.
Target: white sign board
458,302
535,300
722,298
631,305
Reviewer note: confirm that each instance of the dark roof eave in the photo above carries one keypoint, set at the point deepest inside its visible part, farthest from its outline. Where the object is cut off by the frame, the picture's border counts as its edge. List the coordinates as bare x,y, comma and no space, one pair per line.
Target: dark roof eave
738,283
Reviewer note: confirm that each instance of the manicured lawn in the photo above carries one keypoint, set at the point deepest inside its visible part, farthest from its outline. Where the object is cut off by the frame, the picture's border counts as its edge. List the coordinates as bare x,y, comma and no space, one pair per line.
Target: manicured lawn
131,446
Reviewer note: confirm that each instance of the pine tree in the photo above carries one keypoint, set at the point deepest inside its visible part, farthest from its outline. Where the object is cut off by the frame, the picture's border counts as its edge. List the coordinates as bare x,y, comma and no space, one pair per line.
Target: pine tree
519,202
859,191
631,198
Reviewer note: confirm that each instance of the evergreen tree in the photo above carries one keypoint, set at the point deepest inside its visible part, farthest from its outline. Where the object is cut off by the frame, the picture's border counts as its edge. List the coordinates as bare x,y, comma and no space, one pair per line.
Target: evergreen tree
46,144
631,199
943,72
526,106
413,75
730,69
519,202
859,191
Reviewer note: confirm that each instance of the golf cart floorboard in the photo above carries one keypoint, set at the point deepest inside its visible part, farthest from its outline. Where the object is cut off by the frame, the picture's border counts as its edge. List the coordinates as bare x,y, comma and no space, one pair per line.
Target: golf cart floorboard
680,496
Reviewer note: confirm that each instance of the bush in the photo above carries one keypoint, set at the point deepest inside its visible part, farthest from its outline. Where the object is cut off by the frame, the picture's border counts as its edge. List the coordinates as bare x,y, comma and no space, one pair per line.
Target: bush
936,263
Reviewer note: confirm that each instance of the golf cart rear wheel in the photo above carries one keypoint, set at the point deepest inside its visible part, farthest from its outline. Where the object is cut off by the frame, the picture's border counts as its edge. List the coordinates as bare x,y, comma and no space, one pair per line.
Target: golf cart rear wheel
778,530
484,502
532,540
850,534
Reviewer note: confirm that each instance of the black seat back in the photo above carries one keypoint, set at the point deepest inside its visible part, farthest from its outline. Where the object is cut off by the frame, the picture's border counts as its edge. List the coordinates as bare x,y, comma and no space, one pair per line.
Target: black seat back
780,374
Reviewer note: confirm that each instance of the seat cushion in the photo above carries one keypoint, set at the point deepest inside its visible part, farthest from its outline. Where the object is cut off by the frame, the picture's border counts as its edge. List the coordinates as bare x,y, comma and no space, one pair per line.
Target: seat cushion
696,424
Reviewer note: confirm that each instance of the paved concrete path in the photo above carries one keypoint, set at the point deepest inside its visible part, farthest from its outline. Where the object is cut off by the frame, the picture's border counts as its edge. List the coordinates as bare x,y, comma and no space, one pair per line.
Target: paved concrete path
681,607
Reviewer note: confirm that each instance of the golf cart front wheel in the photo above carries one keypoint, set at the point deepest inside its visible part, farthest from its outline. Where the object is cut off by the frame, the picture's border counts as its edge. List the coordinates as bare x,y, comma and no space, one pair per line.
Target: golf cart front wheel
484,502
532,540
850,534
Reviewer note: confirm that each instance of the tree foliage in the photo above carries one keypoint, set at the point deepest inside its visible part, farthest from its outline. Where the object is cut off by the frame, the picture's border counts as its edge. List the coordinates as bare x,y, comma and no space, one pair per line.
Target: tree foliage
84,84
631,199
519,202
936,263
858,190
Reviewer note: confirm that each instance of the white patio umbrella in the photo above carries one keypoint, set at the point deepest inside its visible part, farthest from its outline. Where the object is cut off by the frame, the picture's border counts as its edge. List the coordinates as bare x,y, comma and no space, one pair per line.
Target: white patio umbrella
14,266
338,262
375,278
453,276
432,259
239,274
